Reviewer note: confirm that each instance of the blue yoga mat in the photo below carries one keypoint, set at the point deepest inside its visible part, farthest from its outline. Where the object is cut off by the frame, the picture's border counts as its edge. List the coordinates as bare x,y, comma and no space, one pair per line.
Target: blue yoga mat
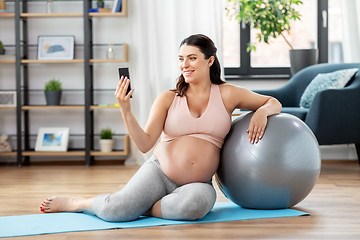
25,225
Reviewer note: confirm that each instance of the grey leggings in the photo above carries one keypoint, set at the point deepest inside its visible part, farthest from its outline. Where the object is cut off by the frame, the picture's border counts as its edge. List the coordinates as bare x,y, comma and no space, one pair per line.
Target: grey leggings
149,184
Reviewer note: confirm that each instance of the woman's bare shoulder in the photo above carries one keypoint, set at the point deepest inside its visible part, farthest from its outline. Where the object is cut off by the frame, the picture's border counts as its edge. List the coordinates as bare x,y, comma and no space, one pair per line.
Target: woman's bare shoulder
234,96
166,98
227,90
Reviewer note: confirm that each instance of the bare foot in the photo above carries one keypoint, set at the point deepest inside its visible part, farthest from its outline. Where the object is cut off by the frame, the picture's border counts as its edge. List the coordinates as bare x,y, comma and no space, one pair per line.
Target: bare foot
62,204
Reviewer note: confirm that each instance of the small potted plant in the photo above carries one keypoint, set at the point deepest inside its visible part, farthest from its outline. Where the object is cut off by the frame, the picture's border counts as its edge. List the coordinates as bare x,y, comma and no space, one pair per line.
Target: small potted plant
53,92
2,49
106,142
100,3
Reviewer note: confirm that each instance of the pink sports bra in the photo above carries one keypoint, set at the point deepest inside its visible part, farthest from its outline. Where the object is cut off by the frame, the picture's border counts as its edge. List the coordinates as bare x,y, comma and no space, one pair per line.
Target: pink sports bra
213,125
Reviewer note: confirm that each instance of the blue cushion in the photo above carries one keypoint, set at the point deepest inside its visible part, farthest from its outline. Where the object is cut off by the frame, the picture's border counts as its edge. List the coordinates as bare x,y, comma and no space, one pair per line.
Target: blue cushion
296,111
322,81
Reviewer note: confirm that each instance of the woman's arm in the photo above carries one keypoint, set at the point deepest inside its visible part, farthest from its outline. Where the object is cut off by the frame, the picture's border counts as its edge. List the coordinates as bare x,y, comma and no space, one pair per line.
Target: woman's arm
263,106
145,138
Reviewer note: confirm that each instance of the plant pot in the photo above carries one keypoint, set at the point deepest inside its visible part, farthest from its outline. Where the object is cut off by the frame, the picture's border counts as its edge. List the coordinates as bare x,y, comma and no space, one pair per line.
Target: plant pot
106,145
100,4
2,51
53,98
301,58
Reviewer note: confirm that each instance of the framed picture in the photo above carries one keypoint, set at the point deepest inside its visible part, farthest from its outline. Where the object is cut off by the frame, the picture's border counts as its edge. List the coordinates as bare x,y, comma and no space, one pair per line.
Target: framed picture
56,47
52,139
7,99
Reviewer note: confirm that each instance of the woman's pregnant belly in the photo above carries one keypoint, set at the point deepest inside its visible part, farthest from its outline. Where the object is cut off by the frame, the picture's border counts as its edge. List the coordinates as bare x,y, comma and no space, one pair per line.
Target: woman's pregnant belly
188,159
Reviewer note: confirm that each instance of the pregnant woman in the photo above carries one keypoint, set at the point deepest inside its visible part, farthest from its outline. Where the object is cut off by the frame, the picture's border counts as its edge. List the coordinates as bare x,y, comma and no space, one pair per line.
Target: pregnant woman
192,120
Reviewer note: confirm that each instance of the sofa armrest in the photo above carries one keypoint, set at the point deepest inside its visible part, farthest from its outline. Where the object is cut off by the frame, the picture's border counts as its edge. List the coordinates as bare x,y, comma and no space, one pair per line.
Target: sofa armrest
334,116
281,94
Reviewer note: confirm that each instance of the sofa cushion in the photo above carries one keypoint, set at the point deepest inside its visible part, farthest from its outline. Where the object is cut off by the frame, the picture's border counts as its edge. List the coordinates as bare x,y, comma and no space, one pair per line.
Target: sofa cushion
296,111
322,81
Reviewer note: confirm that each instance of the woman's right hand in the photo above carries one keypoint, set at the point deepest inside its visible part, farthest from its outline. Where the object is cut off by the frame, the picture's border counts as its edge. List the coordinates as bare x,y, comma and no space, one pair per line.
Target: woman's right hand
122,98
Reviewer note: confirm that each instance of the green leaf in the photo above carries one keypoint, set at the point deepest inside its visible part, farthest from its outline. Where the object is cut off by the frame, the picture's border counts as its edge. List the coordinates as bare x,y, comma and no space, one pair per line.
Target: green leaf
106,133
53,85
271,17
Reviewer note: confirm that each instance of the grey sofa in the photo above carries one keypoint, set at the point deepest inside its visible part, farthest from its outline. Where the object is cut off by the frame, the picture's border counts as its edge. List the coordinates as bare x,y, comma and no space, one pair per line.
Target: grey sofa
334,115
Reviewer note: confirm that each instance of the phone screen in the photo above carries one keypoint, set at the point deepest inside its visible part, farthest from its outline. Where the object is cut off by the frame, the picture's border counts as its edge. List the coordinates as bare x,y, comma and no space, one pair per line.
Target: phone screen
124,71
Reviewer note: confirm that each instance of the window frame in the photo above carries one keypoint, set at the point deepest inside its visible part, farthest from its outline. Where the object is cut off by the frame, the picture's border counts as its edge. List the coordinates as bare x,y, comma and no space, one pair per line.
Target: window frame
246,72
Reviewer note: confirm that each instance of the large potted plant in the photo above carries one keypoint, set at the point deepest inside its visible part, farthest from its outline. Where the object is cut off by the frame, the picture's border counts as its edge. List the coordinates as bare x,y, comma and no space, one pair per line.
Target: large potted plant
273,18
53,92
106,142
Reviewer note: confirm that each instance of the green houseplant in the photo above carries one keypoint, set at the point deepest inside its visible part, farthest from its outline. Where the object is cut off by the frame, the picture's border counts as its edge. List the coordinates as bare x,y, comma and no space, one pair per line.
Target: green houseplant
273,19
106,133
53,91
106,142
2,49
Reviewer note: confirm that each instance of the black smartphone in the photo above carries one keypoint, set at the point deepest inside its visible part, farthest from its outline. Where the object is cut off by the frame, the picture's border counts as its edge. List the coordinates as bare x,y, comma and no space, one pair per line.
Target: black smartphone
124,71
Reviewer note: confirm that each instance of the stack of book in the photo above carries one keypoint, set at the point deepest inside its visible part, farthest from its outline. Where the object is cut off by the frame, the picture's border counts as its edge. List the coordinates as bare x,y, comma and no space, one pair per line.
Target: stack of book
6,12
117,6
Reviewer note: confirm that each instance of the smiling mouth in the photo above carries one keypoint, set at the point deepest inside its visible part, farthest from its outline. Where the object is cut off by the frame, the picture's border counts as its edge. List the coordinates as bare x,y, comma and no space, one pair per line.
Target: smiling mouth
188,73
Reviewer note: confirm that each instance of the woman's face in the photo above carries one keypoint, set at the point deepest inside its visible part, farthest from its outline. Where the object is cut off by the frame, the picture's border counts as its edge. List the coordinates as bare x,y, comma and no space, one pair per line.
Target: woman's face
193,65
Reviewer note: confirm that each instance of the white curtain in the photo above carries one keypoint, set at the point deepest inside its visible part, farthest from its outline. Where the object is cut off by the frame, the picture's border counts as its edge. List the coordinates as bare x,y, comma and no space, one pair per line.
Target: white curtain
351,23
157,27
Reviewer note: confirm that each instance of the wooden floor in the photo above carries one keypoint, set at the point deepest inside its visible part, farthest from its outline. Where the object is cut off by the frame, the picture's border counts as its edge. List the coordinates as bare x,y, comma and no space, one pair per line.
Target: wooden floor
334,204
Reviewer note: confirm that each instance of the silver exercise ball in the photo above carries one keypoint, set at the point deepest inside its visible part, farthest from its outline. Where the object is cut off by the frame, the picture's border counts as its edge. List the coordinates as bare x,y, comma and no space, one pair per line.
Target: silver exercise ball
277,172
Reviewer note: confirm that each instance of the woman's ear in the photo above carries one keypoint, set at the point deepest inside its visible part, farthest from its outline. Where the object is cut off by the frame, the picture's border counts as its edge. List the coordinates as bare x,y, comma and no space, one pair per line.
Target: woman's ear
211,61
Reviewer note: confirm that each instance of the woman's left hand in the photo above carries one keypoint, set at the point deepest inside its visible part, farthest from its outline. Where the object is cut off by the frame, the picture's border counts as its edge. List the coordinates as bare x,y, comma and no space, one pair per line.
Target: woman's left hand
257,126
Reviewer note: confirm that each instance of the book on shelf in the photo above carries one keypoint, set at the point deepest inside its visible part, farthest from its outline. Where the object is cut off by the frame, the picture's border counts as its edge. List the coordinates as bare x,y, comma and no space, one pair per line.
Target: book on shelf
100,10
104,10
117,6
7,57
6,11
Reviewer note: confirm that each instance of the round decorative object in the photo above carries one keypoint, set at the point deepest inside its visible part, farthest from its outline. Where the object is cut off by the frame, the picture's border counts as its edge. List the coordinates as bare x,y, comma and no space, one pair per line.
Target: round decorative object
277,172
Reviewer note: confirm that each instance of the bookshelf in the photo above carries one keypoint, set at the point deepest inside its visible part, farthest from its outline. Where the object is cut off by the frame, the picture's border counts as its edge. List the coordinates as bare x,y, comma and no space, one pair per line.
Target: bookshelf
26,12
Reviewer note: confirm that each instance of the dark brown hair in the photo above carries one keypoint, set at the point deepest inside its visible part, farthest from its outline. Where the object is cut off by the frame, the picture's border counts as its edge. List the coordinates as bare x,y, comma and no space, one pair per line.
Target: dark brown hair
206,47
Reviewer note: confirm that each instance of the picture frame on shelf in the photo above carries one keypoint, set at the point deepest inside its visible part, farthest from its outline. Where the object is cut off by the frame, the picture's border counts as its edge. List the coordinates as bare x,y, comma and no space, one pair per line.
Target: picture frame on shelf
56,47
52,139
7,98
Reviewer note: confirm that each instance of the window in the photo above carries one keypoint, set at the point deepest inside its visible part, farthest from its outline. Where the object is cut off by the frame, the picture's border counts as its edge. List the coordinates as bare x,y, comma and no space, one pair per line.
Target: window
272,60
231,41
335,49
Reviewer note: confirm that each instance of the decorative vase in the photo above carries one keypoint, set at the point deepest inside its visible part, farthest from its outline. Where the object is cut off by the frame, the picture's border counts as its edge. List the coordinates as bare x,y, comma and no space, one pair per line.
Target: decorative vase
53,98
110,53
301,58
49,7
106,145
